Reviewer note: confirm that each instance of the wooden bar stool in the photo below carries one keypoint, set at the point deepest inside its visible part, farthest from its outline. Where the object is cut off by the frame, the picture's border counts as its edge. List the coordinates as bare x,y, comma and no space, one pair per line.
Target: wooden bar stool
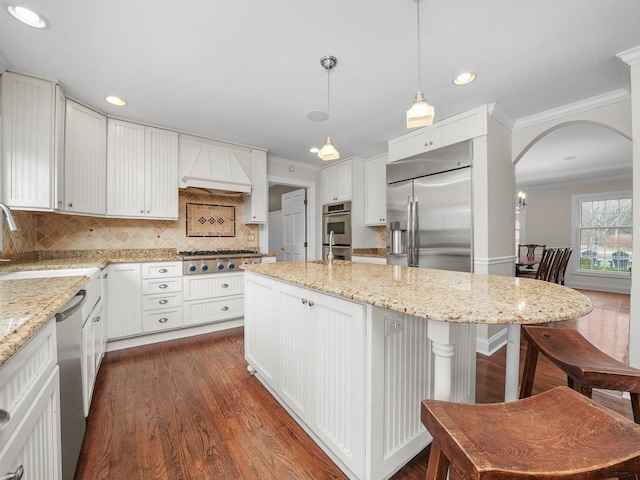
558,434
586,366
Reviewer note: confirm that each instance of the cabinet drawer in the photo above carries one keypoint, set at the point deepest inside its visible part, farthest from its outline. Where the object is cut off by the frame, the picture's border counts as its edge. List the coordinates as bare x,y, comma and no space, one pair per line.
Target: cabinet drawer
24,374
161,270
197,287
157,320
209,311
161,285
154,302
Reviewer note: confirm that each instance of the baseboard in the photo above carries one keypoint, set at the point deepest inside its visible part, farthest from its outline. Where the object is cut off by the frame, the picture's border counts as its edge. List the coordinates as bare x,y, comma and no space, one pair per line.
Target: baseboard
599,288
130,342
490,346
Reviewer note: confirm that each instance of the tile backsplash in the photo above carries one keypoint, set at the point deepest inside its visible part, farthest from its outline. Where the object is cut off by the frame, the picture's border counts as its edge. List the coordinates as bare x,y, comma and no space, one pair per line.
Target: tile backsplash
53,231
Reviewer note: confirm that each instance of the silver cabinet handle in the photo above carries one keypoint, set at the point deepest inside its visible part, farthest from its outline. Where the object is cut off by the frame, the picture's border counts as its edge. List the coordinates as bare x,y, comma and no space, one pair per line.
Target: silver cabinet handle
5,416
17,475
163,320
163,270
97,319
225,285
164,301
163,285
311,304
69,204
304,301
148,211
141,211
224,309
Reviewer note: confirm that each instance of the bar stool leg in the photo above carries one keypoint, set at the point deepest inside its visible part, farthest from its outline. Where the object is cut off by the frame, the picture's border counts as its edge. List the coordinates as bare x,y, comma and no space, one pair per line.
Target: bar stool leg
438,465
635,406
529,371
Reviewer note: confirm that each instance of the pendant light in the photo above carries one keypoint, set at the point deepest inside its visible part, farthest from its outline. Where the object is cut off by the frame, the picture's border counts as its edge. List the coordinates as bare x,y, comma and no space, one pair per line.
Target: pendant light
421,113
328,150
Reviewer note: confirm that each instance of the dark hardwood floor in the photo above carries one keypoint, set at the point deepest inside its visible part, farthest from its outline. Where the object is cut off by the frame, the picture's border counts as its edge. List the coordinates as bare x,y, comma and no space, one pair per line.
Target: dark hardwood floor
188,409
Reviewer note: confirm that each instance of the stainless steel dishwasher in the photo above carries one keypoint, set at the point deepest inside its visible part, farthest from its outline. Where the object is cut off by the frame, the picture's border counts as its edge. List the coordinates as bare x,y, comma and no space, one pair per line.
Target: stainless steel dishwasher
69,323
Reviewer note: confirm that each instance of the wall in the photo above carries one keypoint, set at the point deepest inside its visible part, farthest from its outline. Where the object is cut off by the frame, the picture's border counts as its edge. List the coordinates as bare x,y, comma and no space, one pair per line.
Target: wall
52,231
548,222
275,196
634,327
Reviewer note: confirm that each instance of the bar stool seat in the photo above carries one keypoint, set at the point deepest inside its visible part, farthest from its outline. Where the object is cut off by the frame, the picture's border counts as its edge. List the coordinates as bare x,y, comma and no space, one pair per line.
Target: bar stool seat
558,434
586,366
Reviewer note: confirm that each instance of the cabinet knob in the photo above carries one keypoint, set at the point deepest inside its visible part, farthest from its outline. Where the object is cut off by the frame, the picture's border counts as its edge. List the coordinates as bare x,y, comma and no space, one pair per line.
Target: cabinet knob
225,285
163,285
163,301
141,211
428,143
225,308
5,416
163,320
17,475
163,270
304,301
311,304
148,211
97,319
69,204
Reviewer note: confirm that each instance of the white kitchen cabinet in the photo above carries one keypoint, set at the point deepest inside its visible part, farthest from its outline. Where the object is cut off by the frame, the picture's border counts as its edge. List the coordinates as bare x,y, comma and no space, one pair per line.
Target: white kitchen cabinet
124,300
92,353
161,296
336,182
375,187
260,339
256,204
373,260
58,149
30,394
142,171
457,128
85,160
213,297
32,127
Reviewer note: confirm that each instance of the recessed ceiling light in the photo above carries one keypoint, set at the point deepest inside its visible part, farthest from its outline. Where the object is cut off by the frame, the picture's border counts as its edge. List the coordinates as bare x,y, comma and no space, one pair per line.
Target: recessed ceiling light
317,116
314,149
464,78
114,100
26,15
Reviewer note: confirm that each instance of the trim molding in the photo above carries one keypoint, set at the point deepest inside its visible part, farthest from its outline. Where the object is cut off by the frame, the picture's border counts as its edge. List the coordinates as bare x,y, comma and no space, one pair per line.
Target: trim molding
573,108
501,115
537,186
487,262
283,161
603,287
630,56
491,345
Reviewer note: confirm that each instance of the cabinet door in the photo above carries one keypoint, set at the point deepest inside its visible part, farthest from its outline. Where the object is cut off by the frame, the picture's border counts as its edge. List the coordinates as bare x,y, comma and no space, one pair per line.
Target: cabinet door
27,139
375,207
125,169
35,446
255,205
260,348
409,144
336,182
88,365
124,300
293,354
161,174
337,376
98,341
328,188
58,150
85,166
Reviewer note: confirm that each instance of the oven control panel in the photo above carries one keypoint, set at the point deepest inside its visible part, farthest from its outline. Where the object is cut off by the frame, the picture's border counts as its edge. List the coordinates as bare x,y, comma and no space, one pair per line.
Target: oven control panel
215,265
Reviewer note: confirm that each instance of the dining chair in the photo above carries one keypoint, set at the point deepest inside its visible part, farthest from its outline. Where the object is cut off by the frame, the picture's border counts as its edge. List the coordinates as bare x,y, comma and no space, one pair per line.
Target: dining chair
529,252
556,435
548,257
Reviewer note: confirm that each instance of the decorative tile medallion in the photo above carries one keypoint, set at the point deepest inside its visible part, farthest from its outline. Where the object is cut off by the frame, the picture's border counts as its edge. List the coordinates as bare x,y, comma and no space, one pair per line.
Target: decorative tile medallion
207,220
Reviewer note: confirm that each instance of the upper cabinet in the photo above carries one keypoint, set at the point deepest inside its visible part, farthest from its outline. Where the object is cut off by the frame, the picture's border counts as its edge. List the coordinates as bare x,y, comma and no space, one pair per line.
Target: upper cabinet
458,128
336,182
142,171
375,188
256,204
32,128
85,166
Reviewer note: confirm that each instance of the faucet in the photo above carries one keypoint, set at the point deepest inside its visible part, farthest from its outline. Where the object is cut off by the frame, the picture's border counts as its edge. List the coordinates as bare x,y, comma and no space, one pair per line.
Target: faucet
11,223
330,254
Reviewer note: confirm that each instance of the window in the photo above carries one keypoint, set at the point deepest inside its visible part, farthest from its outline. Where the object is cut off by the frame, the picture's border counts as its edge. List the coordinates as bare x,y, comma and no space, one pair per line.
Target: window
603,233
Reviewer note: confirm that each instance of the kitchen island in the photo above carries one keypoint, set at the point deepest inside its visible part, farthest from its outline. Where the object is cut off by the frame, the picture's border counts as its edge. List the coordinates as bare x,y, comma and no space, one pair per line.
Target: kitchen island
351,350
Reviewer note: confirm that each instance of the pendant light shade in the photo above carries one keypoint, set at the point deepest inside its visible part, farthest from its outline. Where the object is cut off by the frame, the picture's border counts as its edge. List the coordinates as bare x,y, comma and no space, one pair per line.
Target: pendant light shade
328,150
421,113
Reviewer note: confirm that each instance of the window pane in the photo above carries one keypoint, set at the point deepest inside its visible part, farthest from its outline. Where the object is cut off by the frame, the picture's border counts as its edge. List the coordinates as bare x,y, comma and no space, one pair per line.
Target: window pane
626,213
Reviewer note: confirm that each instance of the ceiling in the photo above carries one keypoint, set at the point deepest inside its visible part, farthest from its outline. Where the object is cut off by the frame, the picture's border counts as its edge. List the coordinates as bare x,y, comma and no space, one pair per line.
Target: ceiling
249,72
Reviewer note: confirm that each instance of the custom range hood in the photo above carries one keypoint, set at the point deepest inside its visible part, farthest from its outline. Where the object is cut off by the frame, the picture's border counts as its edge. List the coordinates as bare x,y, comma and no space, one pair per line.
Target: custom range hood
214,165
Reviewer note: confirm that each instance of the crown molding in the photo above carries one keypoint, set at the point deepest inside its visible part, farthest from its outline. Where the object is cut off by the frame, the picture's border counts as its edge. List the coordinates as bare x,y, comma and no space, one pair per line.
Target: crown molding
287,163
630,56
501,115
573,108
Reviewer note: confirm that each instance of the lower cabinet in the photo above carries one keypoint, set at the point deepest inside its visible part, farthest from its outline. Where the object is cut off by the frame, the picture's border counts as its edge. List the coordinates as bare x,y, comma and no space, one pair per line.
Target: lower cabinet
213,298
30,395
124,300
311,347
93,343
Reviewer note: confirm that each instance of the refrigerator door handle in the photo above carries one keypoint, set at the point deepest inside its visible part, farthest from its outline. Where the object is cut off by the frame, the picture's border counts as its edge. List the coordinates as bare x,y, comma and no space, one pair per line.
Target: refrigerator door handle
415,233
410,232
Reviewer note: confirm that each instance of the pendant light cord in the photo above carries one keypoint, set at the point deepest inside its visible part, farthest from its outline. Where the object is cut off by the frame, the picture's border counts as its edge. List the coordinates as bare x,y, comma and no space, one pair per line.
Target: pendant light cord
419,67
328,98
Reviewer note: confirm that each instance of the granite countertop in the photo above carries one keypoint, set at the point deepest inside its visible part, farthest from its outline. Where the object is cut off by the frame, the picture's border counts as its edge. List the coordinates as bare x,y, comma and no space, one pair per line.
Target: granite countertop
370,252
437,294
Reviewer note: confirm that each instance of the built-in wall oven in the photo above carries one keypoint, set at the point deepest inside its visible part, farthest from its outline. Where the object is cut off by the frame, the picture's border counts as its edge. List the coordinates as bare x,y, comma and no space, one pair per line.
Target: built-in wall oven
336,218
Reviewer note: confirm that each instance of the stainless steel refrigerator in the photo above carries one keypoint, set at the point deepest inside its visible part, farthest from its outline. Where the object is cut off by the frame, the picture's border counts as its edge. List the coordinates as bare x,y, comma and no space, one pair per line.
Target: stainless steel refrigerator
429,222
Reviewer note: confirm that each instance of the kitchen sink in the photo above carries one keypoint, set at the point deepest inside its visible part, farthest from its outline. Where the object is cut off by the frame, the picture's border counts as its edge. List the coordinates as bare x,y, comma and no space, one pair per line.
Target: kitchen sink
66,272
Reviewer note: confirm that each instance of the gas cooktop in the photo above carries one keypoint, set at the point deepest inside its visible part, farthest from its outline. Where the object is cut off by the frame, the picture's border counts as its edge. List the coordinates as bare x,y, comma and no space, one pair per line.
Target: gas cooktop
216,261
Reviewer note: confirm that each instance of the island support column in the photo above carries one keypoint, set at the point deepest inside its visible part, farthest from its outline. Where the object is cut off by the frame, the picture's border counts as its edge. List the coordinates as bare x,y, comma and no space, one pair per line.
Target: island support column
443,351
512,364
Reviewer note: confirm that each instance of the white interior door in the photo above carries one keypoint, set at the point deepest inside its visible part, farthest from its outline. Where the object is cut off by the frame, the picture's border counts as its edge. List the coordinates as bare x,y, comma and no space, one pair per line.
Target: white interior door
294,225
